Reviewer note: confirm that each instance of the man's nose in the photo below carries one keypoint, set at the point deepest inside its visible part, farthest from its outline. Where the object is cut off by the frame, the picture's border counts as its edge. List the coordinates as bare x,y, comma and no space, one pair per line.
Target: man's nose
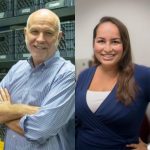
40,37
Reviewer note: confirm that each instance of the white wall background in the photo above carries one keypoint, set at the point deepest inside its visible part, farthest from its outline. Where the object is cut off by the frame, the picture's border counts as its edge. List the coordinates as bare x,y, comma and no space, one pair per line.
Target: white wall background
135,14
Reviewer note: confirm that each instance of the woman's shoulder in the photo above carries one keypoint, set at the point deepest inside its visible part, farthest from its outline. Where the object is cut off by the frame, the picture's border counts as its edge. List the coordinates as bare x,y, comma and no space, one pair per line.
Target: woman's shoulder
141,68
142,72
84,77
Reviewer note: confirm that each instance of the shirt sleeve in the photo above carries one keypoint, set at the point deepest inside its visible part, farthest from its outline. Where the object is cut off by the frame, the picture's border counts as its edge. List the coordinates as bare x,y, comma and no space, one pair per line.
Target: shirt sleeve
6,81
56,110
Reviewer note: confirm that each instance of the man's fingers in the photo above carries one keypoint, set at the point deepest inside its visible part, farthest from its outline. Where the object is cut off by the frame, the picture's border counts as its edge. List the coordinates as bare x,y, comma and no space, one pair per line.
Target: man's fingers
1,99
3,95
7,94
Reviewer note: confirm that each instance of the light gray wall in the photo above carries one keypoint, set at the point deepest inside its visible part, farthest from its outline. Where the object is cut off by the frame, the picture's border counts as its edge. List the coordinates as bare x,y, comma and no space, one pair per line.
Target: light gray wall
135,14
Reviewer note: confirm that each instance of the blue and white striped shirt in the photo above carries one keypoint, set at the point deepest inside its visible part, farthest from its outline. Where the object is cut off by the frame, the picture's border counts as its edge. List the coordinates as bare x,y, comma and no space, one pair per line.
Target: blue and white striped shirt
51,86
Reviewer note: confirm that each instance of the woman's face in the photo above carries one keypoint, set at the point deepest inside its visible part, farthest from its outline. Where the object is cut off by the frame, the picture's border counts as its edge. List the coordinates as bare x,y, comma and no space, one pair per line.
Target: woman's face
108,47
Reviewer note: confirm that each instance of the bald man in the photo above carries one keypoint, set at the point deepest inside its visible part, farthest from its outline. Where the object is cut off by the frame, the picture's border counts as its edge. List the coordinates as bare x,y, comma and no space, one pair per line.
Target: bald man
37,95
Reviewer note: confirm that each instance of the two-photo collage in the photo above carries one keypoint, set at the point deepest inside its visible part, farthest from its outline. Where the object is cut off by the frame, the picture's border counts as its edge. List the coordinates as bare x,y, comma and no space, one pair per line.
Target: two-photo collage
74,75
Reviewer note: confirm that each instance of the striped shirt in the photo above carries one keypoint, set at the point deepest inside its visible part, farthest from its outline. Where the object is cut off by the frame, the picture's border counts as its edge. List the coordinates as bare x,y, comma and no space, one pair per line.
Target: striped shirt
51,86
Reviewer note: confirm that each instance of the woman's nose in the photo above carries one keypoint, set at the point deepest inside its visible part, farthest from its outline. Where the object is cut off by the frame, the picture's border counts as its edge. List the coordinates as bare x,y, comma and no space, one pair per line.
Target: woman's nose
108,47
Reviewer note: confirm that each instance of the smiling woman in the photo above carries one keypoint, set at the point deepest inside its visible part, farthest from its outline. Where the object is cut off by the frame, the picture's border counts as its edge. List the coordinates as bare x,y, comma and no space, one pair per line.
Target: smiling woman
107,44
112,96
114,55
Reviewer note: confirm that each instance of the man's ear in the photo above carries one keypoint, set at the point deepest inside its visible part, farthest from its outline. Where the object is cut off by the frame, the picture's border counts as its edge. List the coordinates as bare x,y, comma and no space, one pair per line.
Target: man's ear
25,34
60,35
25,30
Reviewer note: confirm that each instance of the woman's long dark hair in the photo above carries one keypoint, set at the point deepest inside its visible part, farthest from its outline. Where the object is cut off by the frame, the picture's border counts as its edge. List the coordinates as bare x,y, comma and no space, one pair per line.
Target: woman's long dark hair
126,89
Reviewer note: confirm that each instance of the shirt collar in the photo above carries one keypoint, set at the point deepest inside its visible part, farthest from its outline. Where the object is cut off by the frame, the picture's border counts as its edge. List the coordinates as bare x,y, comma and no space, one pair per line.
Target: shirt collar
46,62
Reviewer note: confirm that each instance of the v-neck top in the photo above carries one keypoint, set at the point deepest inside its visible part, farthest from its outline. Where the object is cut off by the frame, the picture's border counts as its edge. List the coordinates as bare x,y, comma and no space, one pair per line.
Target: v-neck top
112,125
95,98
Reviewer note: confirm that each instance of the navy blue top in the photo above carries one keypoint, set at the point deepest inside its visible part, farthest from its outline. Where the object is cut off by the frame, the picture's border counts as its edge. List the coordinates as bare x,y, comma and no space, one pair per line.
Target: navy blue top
113,125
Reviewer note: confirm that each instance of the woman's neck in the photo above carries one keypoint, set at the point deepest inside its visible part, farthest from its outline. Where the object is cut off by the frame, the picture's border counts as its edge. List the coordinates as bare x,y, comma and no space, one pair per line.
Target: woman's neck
110,71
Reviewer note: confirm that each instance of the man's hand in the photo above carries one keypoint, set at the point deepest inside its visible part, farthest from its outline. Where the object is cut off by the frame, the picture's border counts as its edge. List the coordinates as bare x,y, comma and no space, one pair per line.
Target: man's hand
14,125
4,96
10,114
140,146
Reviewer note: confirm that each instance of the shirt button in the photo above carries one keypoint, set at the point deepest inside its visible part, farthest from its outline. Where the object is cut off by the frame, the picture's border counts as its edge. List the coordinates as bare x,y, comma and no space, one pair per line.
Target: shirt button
14,136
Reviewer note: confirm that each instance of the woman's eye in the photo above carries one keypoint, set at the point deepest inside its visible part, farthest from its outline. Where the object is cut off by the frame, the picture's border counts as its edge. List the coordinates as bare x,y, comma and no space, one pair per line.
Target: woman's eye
116,42
100,41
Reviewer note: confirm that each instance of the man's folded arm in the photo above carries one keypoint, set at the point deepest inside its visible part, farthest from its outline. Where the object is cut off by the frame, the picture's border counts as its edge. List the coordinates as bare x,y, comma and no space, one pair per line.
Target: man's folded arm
9,112
56,110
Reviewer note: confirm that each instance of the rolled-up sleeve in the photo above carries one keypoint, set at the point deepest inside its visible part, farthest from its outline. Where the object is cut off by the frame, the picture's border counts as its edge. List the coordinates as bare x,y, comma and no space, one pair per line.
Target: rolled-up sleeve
56,110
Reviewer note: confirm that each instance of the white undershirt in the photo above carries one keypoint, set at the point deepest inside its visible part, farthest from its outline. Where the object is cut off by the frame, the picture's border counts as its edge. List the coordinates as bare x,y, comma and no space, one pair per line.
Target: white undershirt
95,98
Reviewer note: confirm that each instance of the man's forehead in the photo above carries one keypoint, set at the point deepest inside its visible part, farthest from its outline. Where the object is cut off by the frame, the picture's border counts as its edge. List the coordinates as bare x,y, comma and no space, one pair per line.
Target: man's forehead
49,23
44,16
42,28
